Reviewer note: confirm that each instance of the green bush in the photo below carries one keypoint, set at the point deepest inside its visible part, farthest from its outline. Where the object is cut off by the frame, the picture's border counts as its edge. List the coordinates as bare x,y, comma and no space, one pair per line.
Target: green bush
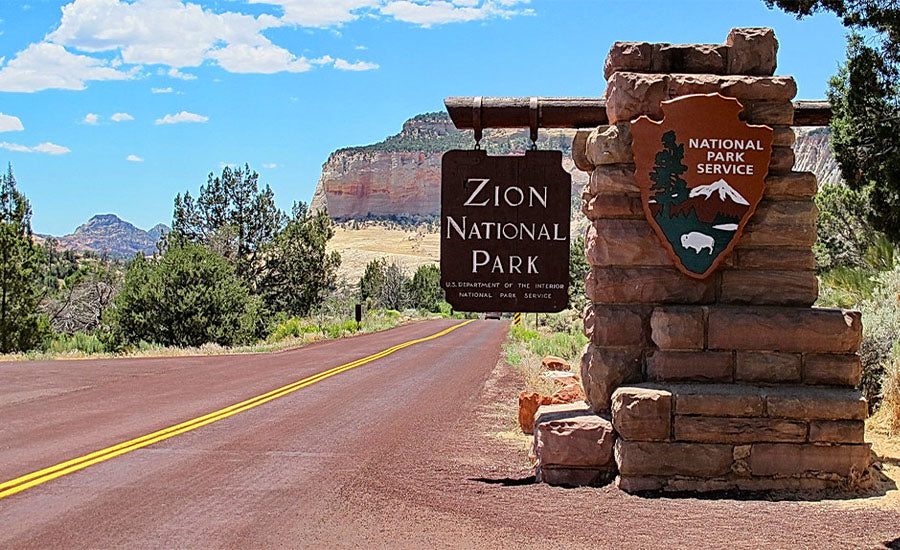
292,328
189,296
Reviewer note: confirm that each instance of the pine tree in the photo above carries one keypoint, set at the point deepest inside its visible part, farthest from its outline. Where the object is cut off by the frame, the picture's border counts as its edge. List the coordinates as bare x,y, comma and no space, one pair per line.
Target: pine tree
21,272
234,217
865,99
668,185
299,269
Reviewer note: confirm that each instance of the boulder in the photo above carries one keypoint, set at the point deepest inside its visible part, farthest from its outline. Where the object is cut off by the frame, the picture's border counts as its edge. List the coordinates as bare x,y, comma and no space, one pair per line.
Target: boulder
572,393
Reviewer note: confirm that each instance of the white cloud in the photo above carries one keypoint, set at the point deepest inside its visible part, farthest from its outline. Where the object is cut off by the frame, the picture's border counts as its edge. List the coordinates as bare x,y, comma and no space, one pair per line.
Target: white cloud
167,32
134,158
43,66
46,148
183,116
269,165
161,90
319,13
429,12
91,119
175,73
121,117
343,65
265,59
9,123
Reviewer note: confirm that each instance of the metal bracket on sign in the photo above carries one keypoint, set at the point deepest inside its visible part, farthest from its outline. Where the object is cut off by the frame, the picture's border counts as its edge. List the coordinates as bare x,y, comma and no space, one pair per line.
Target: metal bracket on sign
477,103
534,112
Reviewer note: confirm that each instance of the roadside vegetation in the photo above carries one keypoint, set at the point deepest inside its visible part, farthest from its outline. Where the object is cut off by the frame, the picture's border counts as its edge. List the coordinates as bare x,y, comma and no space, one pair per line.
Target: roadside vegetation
859,268
556,334
235,275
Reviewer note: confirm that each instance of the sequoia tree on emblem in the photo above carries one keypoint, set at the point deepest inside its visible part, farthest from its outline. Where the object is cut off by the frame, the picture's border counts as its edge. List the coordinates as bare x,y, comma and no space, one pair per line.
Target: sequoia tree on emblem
701,171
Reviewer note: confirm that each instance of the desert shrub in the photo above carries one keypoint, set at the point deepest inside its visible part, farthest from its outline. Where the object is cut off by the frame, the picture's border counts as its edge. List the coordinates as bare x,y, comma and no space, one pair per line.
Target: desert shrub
78,342
881,330
889,412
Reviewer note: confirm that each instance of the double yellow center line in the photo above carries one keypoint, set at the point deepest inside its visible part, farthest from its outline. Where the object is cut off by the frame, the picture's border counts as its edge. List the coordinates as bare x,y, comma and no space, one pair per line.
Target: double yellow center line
27,481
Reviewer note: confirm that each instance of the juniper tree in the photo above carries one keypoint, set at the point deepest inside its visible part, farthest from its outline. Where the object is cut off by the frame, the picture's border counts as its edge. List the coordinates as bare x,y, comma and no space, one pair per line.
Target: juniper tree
865,98
21,272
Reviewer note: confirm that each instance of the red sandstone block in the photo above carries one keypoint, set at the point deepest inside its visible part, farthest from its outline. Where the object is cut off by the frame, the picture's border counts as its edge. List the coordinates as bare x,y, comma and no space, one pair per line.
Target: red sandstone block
837,431
638,458
786,459
718,400
678,328
769,287
829,369
807,403
616,325
612,205
642,414
768,367
784,329
690,366
704,429
647,286
624,243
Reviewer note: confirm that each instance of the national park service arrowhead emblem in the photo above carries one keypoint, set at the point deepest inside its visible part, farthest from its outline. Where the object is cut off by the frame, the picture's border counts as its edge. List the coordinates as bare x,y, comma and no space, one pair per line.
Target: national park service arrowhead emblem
701,171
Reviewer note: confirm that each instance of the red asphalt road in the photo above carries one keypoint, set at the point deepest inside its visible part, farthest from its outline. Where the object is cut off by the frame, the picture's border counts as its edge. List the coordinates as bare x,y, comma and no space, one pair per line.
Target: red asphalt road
263,477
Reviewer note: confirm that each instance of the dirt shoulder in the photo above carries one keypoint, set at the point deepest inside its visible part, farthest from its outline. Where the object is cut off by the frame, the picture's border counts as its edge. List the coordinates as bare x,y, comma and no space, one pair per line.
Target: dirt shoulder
487,479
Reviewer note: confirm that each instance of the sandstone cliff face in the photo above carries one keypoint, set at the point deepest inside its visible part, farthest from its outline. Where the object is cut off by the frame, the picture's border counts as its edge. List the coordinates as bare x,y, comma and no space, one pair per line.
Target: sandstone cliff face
361,184
400,177
813,154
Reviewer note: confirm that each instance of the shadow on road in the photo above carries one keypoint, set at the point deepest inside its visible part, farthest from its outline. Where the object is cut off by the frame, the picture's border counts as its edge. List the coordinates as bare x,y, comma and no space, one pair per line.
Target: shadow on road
506,481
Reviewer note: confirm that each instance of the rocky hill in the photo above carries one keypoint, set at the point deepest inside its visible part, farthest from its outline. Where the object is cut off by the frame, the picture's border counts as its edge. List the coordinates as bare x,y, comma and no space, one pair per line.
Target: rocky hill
107,233
399,178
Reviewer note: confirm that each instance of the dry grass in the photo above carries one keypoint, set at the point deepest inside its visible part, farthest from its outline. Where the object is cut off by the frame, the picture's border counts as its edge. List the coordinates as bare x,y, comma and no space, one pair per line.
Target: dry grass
887,418
357,247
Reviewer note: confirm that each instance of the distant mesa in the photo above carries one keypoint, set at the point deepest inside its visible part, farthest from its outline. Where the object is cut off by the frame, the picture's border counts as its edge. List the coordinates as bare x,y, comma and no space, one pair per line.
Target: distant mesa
107,233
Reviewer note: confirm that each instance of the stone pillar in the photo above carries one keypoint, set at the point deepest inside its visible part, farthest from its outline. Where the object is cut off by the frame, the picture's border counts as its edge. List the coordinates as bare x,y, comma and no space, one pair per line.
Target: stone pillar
733,381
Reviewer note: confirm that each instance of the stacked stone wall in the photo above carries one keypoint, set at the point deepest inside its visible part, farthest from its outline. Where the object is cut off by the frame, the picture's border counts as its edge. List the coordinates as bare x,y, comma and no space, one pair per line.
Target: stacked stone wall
733,381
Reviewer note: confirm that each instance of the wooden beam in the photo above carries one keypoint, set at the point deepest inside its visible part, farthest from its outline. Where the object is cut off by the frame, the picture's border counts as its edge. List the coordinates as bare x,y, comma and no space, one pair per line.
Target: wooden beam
576,112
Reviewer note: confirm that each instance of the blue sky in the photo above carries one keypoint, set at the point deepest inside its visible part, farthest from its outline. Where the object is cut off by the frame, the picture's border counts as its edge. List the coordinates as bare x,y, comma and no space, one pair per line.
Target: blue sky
117,105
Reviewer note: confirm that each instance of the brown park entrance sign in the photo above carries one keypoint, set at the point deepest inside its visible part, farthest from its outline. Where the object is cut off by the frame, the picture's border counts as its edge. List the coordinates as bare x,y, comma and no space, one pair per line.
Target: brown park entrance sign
505,231
701,171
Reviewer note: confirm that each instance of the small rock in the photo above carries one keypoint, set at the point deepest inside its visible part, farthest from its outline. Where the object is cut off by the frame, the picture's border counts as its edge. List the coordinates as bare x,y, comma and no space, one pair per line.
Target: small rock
529,402
570,394
552,362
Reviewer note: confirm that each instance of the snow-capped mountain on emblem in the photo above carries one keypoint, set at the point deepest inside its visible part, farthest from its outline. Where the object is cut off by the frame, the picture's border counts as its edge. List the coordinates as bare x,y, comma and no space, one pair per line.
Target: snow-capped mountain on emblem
721,188
700,140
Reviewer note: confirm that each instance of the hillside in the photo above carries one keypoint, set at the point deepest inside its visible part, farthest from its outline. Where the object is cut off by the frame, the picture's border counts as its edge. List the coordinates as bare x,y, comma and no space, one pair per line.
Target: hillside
107,233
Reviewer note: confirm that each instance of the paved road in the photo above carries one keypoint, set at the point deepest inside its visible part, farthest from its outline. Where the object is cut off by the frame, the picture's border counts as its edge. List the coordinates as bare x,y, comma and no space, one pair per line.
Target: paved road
264,477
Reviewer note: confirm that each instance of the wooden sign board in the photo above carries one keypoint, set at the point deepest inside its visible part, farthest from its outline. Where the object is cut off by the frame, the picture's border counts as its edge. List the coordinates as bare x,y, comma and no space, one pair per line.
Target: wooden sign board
701,171
505,231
